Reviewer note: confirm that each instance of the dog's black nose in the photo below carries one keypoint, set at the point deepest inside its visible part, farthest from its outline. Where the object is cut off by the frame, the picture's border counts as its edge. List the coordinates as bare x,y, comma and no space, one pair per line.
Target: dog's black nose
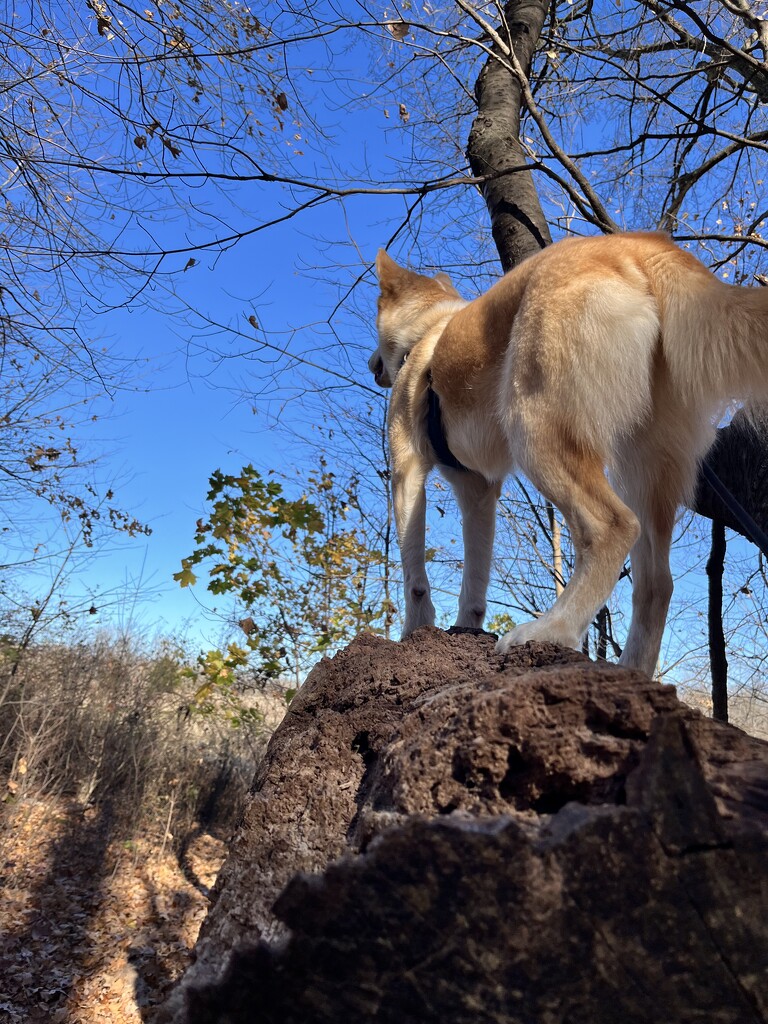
377,368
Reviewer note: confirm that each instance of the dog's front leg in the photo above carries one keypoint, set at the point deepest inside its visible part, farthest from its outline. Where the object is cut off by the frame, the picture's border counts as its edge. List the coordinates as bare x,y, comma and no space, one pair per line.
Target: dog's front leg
477,502
410,501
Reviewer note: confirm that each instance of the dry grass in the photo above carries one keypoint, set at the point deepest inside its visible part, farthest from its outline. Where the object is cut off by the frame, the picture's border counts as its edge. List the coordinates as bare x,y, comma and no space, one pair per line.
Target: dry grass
113,726
116,803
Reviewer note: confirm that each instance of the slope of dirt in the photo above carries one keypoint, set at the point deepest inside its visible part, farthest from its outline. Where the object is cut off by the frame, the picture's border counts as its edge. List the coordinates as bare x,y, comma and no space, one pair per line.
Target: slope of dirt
93,929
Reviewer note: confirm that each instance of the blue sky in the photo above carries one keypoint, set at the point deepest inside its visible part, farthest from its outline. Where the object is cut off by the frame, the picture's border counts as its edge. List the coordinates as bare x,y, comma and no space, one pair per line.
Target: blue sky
187,417
187,413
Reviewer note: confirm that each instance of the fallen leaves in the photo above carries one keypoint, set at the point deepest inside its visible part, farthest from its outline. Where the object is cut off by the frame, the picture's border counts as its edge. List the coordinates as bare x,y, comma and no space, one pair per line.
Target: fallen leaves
94,928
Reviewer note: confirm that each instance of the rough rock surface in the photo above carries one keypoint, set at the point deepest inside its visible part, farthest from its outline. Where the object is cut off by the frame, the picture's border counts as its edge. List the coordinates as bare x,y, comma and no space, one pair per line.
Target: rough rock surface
438,833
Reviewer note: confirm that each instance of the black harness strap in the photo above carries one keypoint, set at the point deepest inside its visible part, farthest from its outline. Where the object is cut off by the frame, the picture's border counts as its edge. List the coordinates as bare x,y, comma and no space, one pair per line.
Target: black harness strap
436,434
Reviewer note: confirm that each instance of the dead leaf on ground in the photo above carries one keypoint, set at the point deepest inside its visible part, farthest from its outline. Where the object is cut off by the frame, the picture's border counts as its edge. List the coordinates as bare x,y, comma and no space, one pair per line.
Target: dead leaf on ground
93,929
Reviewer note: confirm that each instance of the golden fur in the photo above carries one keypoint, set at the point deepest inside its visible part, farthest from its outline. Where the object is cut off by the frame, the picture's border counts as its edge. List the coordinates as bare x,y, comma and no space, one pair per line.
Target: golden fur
613,352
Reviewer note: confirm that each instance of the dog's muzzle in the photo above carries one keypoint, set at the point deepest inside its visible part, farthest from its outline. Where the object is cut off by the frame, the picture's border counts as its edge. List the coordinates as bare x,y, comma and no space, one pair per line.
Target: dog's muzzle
377,368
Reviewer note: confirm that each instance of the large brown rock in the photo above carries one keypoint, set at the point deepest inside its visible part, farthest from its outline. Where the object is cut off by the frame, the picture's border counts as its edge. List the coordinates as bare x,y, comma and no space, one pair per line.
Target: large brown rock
438,833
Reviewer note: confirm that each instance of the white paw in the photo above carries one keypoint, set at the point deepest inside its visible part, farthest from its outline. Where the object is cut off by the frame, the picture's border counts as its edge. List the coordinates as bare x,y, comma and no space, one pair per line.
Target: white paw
470,618
539,629
422,614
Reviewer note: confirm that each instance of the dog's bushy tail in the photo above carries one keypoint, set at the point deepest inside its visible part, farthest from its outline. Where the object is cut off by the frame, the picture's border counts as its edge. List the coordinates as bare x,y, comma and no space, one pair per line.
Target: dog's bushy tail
714,335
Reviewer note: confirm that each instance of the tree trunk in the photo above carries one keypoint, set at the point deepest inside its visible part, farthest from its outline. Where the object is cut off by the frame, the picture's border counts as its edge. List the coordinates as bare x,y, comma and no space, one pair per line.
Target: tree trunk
557,549
517,221
601,625
739,458
718,661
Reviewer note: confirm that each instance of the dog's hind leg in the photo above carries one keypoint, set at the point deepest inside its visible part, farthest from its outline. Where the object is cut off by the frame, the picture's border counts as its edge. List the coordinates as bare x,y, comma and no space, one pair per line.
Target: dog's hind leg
477,501
602,528
655,471
409,498
651,588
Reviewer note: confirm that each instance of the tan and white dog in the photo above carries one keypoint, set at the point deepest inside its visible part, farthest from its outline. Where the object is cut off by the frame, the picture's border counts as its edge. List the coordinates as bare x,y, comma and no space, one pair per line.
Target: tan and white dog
612,352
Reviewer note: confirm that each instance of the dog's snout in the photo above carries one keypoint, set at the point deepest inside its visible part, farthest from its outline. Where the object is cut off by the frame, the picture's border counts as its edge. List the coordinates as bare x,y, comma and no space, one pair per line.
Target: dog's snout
379,371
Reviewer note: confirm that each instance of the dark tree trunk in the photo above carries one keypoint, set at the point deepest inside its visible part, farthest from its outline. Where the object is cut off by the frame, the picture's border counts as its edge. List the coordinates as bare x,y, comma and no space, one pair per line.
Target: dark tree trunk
718,661
601,622
740,459
517,221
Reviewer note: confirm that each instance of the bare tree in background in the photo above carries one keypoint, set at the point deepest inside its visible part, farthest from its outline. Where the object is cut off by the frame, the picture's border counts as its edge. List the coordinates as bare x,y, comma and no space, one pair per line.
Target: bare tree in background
138,142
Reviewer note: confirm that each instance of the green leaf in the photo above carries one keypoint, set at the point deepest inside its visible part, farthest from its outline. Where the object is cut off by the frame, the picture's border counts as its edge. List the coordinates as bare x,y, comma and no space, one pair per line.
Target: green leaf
186,578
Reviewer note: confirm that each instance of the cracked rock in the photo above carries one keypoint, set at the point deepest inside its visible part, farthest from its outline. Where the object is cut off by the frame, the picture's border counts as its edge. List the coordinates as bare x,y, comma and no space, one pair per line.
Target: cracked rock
441,834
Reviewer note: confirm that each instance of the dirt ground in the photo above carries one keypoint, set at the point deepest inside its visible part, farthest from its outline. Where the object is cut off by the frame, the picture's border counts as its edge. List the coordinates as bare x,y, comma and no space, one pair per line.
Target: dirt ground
94,927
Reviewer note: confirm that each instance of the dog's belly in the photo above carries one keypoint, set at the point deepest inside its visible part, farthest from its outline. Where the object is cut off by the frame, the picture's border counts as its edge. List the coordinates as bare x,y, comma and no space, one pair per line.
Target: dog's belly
476,439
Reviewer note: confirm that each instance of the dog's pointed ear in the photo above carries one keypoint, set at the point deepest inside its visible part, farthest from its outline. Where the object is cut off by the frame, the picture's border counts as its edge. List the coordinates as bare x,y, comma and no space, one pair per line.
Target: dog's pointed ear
445,283
384,262
388,272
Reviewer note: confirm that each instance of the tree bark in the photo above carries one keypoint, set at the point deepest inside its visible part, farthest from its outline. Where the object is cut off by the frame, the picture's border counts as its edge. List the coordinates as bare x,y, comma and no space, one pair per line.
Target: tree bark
517,220
718,662
601,624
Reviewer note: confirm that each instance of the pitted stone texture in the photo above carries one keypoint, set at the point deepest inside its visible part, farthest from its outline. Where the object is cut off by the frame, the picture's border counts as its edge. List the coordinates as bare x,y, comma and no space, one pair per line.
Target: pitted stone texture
521,739
438,833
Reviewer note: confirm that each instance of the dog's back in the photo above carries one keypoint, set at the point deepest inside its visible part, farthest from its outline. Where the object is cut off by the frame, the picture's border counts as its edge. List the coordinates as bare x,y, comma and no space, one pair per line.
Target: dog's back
589,330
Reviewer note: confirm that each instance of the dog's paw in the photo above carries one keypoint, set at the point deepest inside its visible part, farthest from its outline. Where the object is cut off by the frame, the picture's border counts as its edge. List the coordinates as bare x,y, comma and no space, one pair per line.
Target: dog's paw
421,613
538,629
471,617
